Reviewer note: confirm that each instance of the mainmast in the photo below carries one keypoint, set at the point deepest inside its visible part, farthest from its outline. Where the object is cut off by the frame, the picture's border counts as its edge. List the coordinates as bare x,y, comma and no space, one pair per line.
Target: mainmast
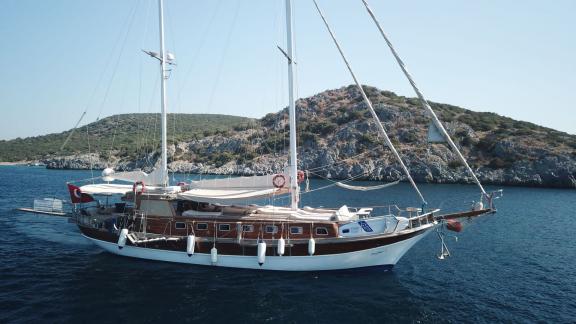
164,153
294,188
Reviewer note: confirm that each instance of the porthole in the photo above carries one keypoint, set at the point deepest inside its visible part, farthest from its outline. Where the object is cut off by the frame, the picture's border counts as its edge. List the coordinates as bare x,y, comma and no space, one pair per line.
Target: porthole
296,230
224,227
201,226
271,229
321,231
180,225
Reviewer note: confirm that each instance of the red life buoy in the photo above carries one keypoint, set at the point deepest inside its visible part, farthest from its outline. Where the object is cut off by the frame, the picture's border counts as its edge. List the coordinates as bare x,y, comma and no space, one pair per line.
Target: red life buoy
453,225
279,181
301,176
135,187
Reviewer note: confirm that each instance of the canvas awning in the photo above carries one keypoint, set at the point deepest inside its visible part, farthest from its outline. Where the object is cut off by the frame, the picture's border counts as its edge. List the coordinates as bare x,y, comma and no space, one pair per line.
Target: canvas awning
229,196
152,178
236,190
108,189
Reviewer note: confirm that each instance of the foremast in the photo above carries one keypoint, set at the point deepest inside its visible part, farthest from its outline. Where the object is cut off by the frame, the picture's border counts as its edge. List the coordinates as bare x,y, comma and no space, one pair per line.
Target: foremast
163,123
294,188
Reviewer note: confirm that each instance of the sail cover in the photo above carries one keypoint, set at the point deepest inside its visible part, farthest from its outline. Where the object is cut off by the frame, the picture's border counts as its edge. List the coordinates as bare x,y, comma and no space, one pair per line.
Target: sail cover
107,189
236,190
152,178
361,188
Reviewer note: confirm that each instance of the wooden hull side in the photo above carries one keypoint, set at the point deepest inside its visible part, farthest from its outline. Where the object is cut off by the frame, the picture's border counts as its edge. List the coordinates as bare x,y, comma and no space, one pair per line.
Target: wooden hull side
294,247
371,253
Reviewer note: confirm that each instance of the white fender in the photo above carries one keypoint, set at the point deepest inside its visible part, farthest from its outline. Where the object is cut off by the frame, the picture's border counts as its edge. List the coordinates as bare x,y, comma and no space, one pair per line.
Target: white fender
478,206
239,235
261,253
122,238
190,244
214,255
281,246
311,246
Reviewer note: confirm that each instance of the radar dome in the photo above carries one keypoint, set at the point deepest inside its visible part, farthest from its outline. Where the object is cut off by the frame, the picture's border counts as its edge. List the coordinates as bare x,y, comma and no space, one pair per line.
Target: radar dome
107,174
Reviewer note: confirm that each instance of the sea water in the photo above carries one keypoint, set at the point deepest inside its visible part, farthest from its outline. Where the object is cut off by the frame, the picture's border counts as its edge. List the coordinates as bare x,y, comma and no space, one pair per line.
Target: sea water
518,265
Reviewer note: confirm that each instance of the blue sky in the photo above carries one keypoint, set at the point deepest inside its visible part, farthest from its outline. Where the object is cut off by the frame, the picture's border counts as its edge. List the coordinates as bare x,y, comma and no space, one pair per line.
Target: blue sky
58,58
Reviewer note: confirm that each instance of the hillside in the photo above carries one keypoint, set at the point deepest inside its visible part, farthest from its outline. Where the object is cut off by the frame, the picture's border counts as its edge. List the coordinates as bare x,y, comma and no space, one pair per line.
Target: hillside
126,134
338,139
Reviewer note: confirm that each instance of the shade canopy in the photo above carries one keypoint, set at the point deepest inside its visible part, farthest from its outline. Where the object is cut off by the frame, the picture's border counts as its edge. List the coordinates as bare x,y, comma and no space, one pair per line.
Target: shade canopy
107,189
236,190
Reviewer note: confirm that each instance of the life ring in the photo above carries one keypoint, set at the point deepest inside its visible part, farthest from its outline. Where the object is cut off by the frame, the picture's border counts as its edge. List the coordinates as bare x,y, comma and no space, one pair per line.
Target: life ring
135,187
183,186
301,176
279,181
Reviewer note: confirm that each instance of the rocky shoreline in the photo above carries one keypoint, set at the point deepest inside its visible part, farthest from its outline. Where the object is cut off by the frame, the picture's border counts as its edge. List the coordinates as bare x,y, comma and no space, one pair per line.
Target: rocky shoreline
549,172
339,140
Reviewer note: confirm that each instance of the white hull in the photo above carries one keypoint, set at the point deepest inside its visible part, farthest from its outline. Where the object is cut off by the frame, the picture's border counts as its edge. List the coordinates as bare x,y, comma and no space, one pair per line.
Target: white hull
384,256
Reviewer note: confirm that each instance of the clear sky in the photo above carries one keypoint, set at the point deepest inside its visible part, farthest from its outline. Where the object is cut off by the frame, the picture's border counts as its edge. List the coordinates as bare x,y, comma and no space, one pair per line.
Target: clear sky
60,57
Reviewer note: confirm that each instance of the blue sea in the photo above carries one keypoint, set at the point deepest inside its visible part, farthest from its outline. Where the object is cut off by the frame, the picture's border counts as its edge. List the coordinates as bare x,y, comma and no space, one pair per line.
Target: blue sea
518,265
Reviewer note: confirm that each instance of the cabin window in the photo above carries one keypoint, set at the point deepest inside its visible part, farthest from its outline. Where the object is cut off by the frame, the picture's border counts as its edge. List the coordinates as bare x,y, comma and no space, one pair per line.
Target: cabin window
321,231
224,227
296,230
201,226
247,228
180,225
346,230
271,229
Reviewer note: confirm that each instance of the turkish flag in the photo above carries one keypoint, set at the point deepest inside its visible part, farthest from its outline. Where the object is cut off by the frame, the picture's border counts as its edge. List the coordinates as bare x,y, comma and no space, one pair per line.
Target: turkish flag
77,196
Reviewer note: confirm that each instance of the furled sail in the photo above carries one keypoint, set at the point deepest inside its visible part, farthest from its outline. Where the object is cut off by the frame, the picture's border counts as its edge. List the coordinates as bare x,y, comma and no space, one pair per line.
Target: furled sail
152,178
367,188
236,190
107,189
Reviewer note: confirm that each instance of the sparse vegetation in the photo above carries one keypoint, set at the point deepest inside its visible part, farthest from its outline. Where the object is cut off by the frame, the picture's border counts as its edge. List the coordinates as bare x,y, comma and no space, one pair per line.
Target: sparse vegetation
124,134
333,120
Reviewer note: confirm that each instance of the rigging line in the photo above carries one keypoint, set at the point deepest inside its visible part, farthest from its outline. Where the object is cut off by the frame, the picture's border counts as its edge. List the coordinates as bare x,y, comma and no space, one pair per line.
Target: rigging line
89,151
423,100
147,133
93,94
138,143
339,162
369,104
198,50
72,132
334,183
352,178
123,100
224,52
115,68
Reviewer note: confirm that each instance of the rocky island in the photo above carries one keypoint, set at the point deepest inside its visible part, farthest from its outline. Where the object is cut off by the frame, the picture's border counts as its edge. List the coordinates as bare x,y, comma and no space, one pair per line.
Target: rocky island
337,139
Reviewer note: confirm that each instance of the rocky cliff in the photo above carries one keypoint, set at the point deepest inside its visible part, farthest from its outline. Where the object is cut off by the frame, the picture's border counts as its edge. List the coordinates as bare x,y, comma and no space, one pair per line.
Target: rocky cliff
338,139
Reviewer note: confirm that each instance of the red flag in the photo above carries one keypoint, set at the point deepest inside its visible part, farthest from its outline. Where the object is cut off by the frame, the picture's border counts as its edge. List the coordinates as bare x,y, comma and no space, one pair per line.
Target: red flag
77,196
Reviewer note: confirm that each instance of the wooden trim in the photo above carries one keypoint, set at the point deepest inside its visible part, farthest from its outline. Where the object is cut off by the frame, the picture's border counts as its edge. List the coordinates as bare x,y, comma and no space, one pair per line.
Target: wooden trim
293,247
471,213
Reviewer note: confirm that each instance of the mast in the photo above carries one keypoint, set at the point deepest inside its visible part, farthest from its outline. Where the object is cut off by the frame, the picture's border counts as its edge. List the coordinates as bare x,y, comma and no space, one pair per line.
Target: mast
423,100
294,188
164,153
